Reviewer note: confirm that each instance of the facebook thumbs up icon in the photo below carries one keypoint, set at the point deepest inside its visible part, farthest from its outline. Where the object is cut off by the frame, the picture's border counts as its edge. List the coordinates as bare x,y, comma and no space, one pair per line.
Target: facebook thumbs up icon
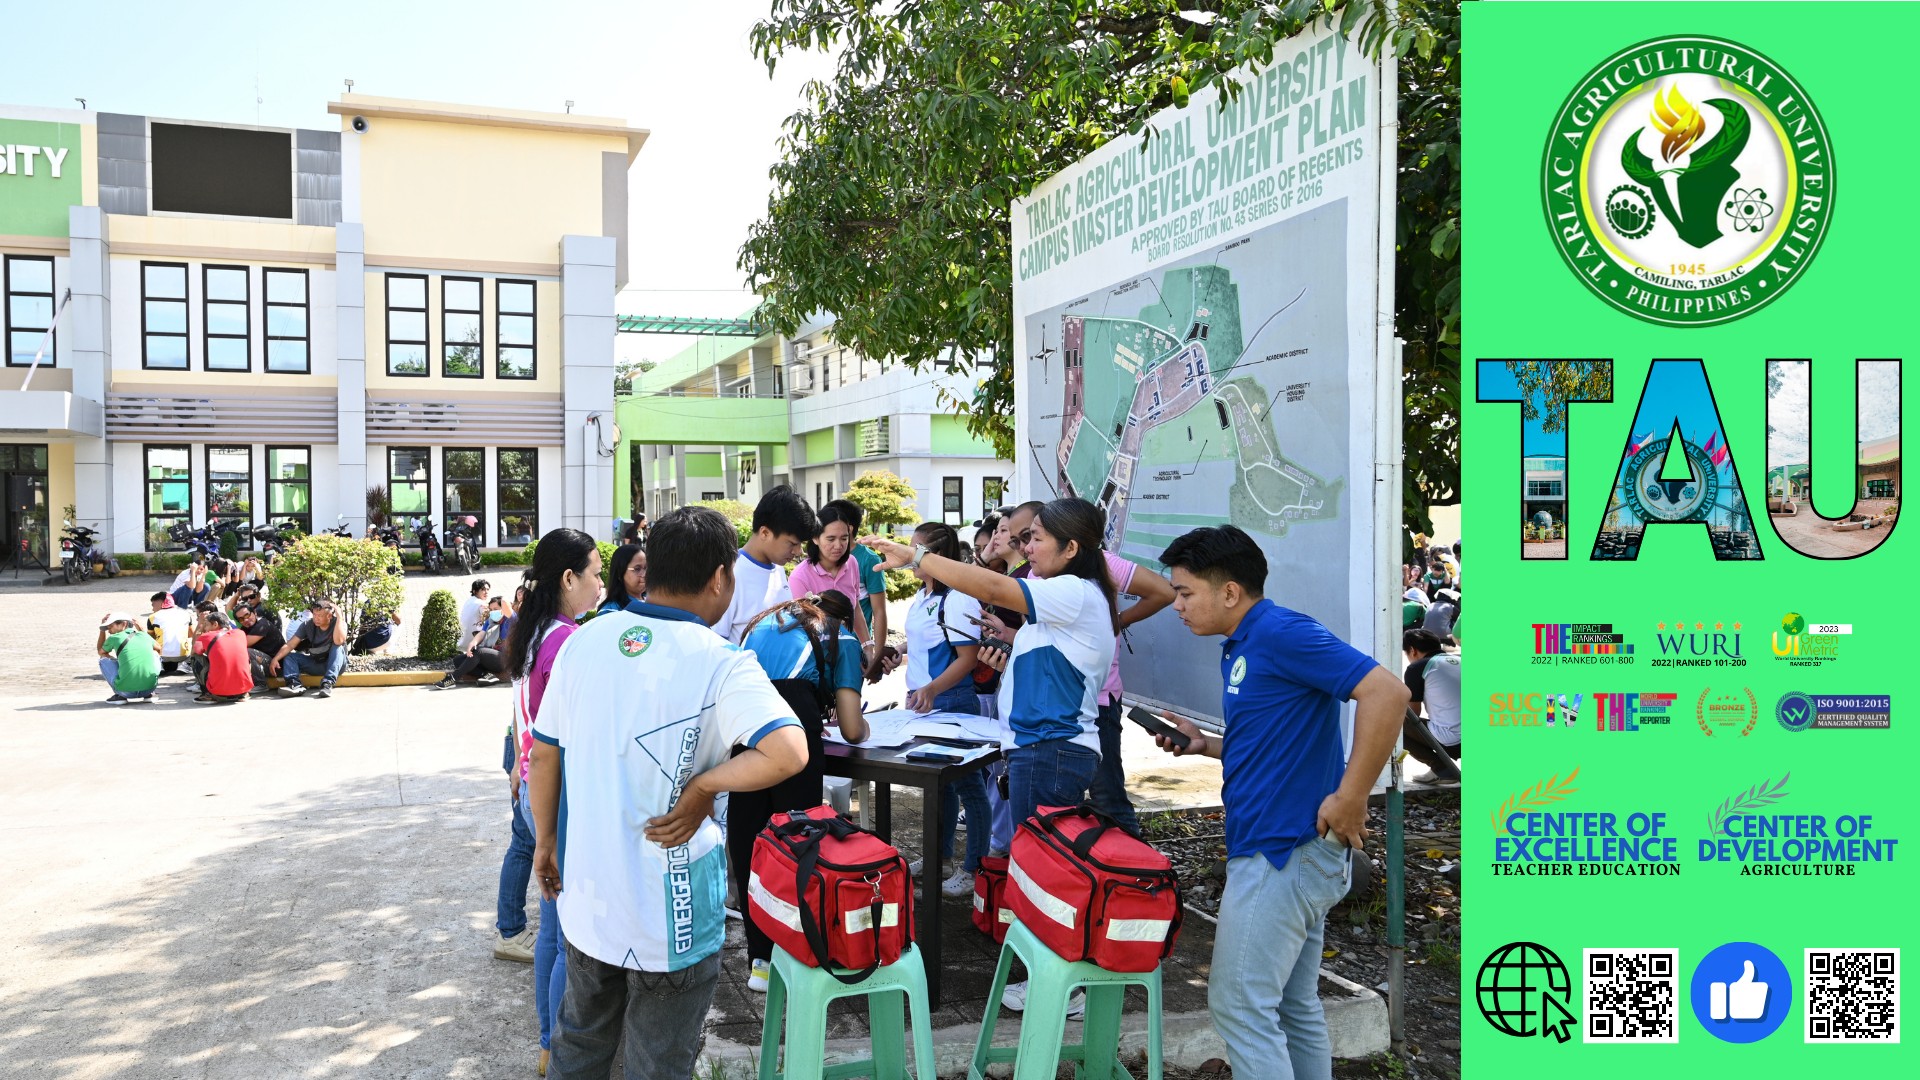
1741,992
1748,998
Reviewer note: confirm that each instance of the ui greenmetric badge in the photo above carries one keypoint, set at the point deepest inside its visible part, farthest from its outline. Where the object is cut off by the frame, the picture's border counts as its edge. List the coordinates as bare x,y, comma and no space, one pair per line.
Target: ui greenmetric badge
1688,180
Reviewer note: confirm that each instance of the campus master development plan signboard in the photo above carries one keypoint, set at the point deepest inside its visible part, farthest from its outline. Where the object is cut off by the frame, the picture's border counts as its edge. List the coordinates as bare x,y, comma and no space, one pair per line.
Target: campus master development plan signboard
1690,676
1196,324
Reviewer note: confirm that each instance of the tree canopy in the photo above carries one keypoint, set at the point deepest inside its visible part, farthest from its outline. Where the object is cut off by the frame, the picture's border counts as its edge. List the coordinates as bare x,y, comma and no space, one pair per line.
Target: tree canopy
891,198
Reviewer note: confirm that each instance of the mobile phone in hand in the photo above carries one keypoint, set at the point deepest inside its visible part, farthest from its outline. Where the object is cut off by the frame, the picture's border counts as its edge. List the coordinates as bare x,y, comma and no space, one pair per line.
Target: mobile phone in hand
1146,719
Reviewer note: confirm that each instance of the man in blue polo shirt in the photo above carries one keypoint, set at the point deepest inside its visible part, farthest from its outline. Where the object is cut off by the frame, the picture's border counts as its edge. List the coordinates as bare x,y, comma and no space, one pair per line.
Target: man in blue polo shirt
644,707
1293,810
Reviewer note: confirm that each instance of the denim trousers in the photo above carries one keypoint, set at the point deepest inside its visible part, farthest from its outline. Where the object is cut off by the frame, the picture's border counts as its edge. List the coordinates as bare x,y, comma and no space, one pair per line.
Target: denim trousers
1051,773
549,971
515,870
969,791
1264,993
664,1014
298,664
1108,792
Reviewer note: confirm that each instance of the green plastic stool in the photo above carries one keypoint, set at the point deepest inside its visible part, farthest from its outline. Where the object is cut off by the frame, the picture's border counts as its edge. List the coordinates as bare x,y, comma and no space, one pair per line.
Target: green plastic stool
800,993
1043,1026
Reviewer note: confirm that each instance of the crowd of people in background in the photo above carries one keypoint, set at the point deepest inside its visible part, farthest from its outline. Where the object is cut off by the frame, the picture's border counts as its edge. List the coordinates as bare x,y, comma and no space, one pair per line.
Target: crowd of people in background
1430,643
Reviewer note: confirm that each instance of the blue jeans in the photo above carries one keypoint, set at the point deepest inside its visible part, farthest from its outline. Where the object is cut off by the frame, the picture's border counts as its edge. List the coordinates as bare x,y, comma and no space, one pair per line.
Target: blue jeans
297,664
1264,990
1051,773
969,791
1108,792
110,670
515,870
549,970
186,596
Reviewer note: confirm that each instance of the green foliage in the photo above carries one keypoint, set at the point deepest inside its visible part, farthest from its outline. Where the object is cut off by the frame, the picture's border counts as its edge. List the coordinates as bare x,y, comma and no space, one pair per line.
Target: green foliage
230,545
896,178
735,511
885,499
439,626
901,584
379,506
132,561
508,557
1547,386
356,575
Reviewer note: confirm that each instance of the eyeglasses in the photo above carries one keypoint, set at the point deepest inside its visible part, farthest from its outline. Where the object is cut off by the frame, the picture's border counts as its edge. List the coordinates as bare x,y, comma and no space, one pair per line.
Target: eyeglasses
1023,538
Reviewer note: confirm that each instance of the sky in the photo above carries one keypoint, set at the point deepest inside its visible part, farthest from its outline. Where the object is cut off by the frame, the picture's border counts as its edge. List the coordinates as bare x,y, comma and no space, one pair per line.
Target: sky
1878,385
683,71
1496,381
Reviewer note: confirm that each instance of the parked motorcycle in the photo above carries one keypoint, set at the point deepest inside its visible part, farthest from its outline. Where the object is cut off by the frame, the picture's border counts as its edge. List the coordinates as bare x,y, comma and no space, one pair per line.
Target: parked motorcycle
388,534
79,550
463,544
433,557
342,529
275,538
200,542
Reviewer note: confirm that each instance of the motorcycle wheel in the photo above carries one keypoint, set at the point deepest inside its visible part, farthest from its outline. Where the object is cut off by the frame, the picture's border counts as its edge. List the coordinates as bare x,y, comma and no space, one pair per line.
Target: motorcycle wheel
73,575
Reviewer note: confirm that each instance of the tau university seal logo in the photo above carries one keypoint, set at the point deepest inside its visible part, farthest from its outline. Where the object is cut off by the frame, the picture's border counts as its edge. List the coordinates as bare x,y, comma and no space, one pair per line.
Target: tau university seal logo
1688,180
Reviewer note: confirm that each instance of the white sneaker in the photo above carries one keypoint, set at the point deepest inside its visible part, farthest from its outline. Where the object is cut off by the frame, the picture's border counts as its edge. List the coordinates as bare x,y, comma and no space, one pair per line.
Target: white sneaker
960,884
518,948
1015,999
757,976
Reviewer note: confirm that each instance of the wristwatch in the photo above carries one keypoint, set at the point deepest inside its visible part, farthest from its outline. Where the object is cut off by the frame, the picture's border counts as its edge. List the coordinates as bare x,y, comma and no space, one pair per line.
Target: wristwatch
919,552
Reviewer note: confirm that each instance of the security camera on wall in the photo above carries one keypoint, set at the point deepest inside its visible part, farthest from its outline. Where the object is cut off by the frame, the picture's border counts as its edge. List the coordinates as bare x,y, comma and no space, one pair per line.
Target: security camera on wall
360,124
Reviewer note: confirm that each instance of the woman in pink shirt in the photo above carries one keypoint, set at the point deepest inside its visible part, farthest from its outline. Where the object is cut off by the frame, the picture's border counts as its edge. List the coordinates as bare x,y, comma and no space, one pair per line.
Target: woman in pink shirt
829,565
565,584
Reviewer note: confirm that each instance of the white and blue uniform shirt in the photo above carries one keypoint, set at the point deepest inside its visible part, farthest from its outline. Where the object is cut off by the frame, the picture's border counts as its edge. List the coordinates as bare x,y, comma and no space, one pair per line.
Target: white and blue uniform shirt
784,650
640,702
1060,659
757,586
931,650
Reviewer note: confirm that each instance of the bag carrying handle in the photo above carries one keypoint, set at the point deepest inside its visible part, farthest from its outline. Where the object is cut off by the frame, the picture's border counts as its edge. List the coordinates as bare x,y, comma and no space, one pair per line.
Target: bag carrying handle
806,867
1082,845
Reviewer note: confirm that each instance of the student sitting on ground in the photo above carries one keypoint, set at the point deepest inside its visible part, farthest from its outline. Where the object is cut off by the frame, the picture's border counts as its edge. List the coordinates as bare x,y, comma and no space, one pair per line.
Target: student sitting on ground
127,661
318,647
263,643
482,653
220,659
189,586
175,624
376,631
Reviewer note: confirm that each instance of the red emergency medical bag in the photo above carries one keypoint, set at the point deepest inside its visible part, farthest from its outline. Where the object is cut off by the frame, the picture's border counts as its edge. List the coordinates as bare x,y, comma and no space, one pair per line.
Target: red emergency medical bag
830,893
990,912
1090,890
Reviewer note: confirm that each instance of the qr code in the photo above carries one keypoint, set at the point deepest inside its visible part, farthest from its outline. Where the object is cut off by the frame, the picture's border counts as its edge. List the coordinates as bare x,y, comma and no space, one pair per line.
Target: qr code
1853,995
1630,996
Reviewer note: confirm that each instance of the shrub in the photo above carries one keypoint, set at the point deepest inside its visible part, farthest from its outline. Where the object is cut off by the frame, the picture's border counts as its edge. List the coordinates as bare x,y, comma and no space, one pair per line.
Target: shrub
509,557
885,499
355,574
735,511
901,584
132,562
230,545
439,626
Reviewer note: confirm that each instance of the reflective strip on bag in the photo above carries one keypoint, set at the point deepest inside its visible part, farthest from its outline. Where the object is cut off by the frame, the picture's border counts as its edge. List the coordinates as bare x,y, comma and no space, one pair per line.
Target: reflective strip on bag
1138,929
860,920
1048,904
979,902
1006,915
787,914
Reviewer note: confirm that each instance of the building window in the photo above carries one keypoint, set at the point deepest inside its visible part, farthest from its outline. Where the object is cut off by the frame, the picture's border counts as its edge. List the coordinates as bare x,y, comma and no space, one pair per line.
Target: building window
464,484
290,486
712,496
992,490
169,492
224,319
29,308
1545,489
519,496
286,320
230,489
460,328
779,381
406,324
514,329
409,482
163,315
23,521
952,501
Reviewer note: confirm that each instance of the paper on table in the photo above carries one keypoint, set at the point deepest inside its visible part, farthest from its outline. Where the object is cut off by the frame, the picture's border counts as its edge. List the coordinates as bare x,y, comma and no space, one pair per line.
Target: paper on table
898,727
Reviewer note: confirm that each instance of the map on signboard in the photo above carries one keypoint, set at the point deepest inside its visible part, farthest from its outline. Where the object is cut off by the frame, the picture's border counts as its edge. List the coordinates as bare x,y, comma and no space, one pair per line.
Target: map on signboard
1205,393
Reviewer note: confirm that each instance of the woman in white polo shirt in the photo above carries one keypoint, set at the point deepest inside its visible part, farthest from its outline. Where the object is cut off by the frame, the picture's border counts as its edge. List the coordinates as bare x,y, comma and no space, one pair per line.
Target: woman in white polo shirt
1049,698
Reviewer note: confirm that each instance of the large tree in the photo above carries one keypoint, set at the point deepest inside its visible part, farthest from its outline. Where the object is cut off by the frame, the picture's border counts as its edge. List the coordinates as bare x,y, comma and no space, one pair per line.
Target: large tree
892,194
